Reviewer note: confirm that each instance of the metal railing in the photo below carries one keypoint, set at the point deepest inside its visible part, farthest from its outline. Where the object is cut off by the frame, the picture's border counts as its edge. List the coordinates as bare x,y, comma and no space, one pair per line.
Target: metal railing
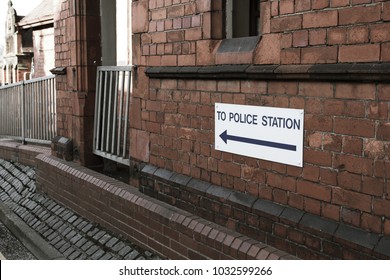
113,87
28,110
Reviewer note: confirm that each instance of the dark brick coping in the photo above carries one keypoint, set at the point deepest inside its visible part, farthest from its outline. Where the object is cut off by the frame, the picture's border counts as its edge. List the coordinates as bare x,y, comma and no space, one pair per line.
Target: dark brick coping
18,152
377,246
358,72
149,223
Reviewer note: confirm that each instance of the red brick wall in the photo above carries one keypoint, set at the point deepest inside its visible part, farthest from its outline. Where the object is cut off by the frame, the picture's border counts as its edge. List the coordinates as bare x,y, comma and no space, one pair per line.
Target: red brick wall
62,59
346,157
346,144
332,31
294,32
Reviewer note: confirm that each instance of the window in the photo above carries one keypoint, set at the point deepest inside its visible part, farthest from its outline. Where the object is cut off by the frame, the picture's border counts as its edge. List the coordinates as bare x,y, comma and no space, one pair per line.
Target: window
115,32
242,18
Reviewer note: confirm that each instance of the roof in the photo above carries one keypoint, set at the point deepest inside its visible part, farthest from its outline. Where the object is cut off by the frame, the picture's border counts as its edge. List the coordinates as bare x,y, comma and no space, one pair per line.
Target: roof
43,14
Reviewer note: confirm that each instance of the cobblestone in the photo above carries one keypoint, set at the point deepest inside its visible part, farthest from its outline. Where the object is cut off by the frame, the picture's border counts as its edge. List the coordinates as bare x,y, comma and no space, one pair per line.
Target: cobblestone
72,235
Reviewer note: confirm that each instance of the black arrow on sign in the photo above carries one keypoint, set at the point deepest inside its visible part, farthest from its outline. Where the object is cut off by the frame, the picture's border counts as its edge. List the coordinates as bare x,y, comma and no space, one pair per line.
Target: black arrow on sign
225,137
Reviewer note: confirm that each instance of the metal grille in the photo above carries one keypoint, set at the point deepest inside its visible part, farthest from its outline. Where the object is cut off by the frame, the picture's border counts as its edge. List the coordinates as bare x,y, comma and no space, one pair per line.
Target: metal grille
28,110
111,125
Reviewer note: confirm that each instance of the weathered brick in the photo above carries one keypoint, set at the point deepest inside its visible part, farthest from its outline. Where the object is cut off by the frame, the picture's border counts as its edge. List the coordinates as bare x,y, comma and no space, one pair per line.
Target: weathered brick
313,55
300,38
312,206
358,34
318,123
283,88
357,2
193,34
381,207
374,149
317,37
332,142
373,186
355,91
330,211
290,56
320,4
359,53
383,89
349,181
316,89
314,190
334,107
352,145
286,41
355,127
355,109
386,11
286,7
386,226
229,168
383,131
360,14
175,11
318,157
286,23
351,217
204,50
303,5
371,223
339,3
274,8
320,19
268,51
380,32
159,14
351,199
337,36
312,105
353,164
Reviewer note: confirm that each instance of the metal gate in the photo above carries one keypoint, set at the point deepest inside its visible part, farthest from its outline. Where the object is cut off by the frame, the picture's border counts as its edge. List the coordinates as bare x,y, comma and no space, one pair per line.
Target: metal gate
111,124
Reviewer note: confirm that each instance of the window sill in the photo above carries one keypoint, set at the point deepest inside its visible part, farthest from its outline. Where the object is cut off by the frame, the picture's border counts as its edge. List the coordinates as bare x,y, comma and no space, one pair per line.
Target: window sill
237,50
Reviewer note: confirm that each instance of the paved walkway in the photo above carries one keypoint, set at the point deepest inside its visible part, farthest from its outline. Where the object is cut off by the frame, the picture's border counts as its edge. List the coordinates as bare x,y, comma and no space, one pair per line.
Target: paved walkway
65,233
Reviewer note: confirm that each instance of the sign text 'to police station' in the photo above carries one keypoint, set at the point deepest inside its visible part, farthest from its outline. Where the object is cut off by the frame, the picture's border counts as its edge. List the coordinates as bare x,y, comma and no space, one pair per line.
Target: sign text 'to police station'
269,133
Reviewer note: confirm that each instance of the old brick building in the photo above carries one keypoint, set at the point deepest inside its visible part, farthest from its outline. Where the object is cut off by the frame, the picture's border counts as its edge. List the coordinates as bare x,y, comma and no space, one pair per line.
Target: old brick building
29,44
39,24
329,58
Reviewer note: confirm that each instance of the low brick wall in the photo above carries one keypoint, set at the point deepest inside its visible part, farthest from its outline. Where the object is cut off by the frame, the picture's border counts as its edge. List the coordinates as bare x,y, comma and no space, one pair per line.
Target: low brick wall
152,224
300,233
24,154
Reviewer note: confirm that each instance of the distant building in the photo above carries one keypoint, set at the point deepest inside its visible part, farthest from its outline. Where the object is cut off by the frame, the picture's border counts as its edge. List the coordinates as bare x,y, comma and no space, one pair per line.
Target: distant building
29,44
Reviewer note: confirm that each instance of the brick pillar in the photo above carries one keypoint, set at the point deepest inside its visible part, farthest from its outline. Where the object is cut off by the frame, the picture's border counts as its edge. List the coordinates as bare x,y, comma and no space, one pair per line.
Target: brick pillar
78,48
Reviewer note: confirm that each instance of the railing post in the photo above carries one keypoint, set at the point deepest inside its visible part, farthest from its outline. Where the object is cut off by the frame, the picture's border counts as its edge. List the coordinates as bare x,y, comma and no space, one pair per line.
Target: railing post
22,113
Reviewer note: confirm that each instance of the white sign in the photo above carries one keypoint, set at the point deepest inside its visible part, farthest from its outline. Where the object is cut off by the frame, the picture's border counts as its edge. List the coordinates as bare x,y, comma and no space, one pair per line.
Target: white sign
269,133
